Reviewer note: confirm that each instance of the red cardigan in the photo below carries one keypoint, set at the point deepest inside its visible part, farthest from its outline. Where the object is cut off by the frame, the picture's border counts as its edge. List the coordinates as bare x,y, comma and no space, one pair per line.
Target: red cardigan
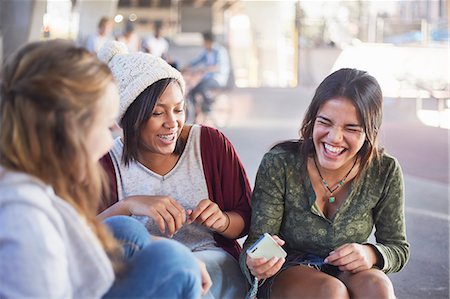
226,180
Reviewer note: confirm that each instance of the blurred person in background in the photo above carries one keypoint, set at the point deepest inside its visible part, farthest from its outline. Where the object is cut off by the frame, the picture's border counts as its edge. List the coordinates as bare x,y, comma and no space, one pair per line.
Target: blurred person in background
104,33
184,182
130,38
324,194
213,67
156,44
58,102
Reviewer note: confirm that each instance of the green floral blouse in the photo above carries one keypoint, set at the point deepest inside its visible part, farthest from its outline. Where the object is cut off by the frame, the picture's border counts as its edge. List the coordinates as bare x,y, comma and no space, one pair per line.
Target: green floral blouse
283,203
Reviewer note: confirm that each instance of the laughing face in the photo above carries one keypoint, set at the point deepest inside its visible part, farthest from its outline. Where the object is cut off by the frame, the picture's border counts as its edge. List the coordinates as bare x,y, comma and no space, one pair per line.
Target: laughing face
338,134
160,133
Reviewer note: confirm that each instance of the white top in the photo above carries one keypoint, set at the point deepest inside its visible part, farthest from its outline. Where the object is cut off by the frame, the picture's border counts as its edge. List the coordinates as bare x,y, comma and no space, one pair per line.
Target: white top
157,45
185,183
132,42
46,249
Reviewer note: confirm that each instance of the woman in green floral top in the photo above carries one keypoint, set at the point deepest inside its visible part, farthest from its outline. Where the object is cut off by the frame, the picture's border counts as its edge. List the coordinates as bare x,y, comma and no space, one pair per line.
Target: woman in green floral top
323,194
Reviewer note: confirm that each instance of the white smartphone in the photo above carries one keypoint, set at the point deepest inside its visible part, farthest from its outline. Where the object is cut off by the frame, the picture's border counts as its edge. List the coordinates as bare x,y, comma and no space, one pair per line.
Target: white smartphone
266,247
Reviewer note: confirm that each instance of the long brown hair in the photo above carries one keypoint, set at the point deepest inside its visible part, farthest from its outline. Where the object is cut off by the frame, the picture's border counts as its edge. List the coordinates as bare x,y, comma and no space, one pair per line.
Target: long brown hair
365,93
49,99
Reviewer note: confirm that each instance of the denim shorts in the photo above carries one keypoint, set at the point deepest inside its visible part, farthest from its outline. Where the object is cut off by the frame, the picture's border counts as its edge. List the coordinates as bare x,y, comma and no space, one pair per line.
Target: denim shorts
310,260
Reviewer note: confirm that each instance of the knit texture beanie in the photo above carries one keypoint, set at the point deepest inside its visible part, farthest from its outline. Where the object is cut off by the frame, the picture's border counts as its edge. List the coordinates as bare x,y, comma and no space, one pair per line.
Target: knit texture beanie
134,72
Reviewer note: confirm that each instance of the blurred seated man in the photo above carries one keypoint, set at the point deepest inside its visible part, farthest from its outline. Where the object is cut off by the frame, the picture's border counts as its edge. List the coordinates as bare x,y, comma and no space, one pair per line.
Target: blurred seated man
214,65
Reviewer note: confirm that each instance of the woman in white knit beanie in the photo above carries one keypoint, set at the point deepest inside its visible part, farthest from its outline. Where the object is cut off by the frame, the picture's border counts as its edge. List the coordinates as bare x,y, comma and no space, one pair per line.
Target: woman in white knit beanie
184,182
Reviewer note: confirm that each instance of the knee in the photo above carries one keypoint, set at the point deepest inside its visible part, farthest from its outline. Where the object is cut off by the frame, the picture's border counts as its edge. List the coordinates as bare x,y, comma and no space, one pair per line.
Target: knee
332,287
127,229
168,268
377,286
172,253
328,287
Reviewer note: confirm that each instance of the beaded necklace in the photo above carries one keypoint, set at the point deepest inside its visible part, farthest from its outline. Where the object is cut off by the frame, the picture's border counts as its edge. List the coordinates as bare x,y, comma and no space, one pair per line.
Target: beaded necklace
332,199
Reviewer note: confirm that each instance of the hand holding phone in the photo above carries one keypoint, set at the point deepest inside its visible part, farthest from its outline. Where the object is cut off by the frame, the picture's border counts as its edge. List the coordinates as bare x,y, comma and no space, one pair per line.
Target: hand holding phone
266,247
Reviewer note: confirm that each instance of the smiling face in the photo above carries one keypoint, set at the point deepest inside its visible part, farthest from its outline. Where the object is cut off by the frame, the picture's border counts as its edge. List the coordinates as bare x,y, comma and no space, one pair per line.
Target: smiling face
160,133
338,134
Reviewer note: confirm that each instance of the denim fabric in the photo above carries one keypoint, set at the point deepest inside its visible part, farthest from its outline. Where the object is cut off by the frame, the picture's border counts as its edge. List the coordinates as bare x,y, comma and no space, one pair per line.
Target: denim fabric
131,234
154,269
228,280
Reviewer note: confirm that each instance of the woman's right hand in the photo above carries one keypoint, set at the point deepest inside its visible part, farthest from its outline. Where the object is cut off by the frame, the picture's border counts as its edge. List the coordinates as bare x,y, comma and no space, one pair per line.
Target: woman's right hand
262,268
166,211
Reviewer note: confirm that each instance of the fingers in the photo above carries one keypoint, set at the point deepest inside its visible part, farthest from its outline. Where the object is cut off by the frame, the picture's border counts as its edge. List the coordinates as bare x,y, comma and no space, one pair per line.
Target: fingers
202,205
350,257
167,212
206,279
263,268
337,254
208,214
178,214
278,240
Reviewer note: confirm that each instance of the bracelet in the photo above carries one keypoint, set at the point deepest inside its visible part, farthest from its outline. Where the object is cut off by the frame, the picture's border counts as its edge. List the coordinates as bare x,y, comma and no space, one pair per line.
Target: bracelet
228,225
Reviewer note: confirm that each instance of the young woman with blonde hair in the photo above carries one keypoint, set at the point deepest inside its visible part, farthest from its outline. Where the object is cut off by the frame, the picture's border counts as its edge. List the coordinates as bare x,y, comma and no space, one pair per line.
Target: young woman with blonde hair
58,102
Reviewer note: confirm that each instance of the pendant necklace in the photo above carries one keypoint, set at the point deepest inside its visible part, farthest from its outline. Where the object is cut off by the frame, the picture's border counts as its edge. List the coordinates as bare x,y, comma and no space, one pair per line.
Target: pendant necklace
332,198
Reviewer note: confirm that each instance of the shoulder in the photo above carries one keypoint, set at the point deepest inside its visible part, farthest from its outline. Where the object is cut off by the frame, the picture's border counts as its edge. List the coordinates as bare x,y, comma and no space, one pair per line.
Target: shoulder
384,174
282,156
116,150
288,150
27,204
387,160
386,164
22,188
212,136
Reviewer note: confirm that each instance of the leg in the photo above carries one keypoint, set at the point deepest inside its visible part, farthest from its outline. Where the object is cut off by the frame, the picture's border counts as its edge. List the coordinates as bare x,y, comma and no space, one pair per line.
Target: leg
208,100
129,232
227,278
195,97
203,89
372,283
163,269
306,282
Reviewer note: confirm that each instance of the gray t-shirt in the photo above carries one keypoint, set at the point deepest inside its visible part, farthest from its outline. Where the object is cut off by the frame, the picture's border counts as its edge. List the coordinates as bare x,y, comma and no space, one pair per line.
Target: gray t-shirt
185,183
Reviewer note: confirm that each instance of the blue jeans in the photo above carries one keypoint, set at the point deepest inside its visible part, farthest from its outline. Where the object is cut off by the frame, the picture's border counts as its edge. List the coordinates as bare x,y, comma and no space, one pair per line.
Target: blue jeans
154,268
228,280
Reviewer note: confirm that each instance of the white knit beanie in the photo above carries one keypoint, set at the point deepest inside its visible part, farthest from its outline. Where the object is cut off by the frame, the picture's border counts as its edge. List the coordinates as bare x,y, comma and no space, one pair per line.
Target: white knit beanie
134,72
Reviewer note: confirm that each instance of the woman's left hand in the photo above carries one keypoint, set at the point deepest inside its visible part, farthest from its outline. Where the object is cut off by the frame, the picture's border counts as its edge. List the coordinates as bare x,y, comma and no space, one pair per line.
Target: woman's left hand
208,214
352,257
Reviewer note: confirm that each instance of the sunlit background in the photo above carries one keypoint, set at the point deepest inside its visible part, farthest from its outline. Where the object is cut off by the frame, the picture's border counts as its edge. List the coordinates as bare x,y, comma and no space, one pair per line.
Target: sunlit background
404,44
280,51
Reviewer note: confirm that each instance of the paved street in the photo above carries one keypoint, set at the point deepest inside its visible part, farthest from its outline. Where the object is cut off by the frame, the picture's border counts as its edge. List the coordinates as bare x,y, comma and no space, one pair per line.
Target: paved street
261,117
